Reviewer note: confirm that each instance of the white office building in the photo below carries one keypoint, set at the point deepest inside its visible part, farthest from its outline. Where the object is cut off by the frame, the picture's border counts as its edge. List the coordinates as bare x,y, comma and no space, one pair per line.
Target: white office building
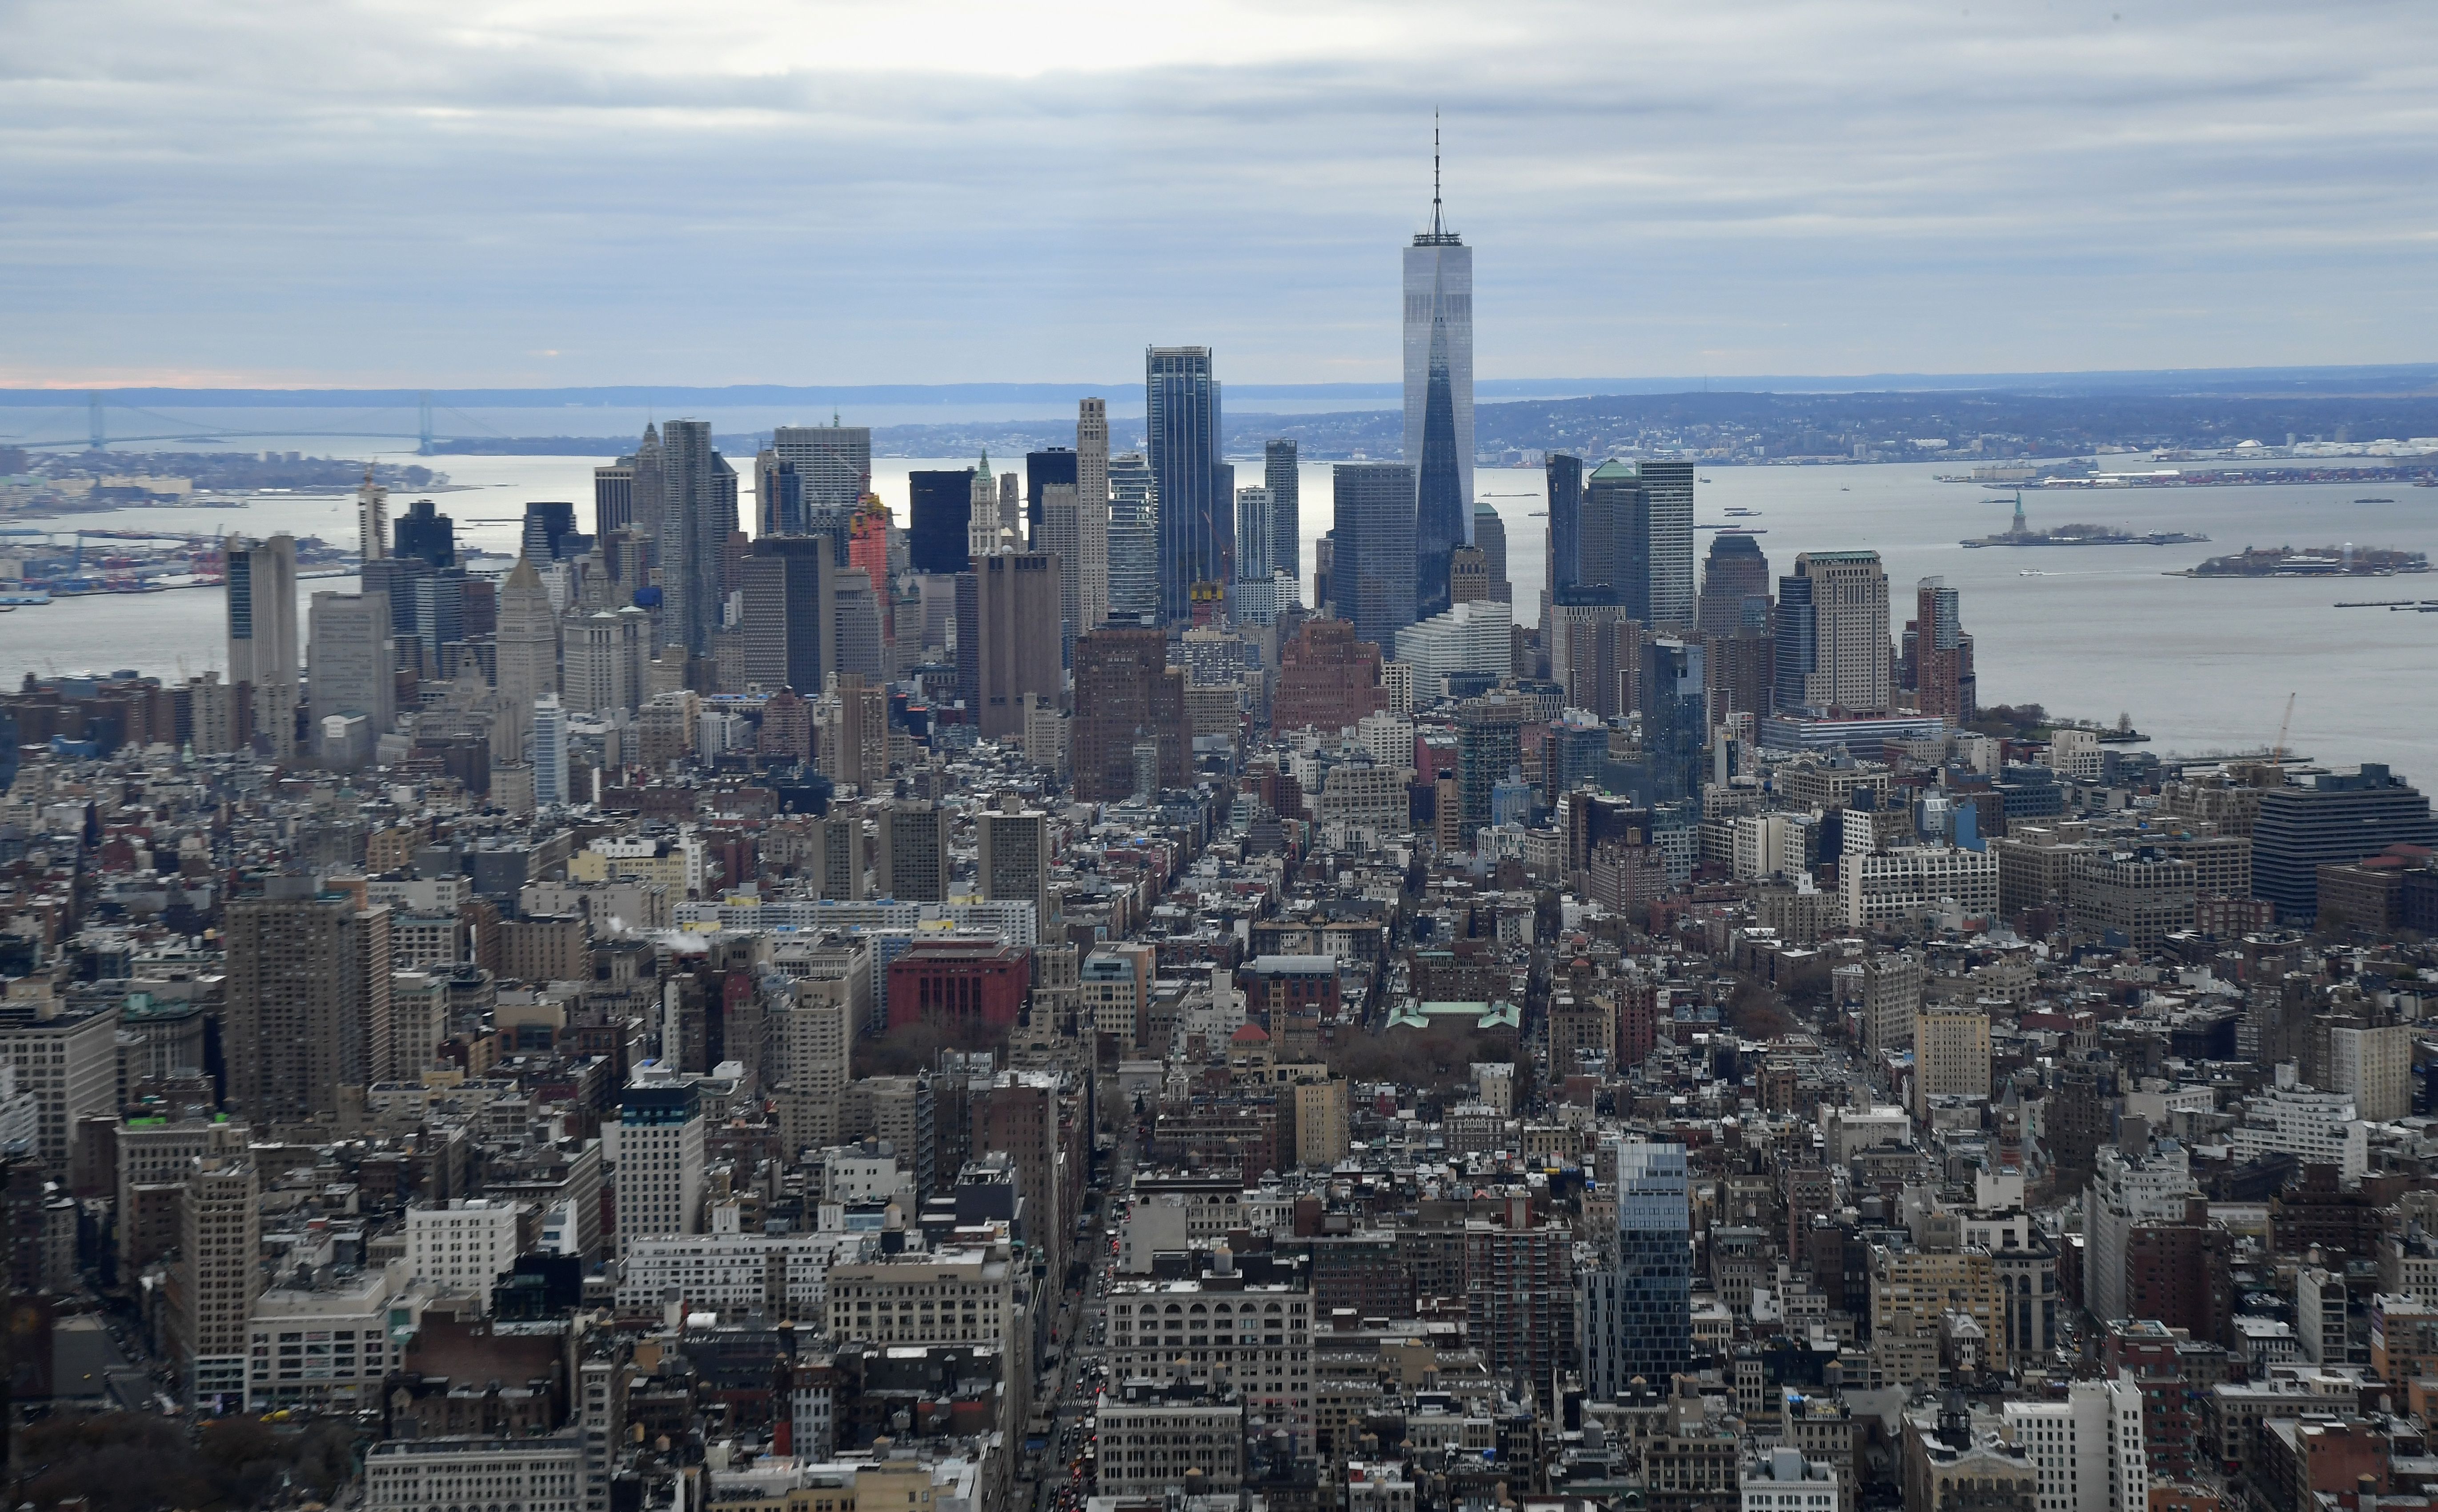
2088,1447
1470,638
781,1275
2374,1067
549,752
532,1474
1783,1481
1911,881
327,1347
2317,1128
465,1243
659,1155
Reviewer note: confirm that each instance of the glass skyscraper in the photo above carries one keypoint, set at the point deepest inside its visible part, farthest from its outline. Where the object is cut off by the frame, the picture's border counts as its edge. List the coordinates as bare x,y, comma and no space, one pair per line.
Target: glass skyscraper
1798,642
1280,476
832,461
1667,542
1561,560
1371,577
1636,1311
1044,470
697,514
1197,526
1675,720
939,505
1255,510
1134,539
1439,399
1634,533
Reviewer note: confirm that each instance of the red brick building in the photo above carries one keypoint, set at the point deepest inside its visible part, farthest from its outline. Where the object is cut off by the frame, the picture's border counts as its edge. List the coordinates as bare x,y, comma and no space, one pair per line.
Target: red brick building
1020,1112
961,982
1328,680
1362,1274
1232,1138
2179,1275
2173,1372
1125,691
1292,996
1637,1021
1520,1298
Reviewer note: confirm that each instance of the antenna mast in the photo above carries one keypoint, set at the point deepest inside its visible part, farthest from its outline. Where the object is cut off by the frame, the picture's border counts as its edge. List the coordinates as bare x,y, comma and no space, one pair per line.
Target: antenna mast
1438,234
1436,229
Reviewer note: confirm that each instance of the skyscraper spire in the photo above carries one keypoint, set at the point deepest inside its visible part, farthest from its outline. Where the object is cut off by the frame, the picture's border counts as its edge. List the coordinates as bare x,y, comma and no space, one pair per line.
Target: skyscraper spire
1439,394
1438,234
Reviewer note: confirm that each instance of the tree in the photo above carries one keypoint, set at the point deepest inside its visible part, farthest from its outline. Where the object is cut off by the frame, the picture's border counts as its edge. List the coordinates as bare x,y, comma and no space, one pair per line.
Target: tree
1754,1012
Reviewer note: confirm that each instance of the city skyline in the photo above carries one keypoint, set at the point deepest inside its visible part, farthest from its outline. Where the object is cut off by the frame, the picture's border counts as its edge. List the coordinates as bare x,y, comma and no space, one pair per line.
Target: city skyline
1848,193
986,966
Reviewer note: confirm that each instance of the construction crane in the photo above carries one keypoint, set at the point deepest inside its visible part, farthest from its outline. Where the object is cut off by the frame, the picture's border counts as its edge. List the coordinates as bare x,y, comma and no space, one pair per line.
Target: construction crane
2277,752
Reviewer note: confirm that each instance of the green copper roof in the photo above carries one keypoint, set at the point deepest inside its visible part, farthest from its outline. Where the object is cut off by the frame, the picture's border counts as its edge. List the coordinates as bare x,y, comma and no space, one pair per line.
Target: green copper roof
1614,468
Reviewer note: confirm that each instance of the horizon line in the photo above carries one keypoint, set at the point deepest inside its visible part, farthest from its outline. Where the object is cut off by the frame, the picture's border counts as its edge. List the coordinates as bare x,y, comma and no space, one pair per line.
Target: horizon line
561,396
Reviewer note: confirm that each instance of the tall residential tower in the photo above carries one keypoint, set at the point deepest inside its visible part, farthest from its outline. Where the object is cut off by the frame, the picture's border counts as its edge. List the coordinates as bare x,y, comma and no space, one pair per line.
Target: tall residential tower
1091,516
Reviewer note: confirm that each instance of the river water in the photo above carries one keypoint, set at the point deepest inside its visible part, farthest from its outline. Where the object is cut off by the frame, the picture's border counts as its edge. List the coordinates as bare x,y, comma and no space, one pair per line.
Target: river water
2200,665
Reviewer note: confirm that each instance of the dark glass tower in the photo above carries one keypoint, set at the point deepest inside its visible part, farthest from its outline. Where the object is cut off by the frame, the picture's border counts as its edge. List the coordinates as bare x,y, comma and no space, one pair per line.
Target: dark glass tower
1041,469
1639,1309
697,513
1439,512
1675,721
547,527
938,506
1371,577
422,532
1565,481
1798,642
783,497
1616,538
1197,506
1282,476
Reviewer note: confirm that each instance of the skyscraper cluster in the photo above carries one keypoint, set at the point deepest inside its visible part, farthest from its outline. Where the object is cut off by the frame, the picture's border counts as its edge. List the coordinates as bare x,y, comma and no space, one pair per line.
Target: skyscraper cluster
989,1014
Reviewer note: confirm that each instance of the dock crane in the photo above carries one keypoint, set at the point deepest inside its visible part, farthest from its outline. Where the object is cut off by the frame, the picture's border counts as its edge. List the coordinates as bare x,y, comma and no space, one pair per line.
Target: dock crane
2277,752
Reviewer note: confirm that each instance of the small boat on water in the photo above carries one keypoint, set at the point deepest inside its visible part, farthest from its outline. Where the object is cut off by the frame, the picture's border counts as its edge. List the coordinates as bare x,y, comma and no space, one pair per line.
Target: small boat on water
2373,501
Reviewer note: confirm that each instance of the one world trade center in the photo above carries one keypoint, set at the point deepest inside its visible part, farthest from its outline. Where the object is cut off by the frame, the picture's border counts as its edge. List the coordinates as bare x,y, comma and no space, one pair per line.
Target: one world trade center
1439,398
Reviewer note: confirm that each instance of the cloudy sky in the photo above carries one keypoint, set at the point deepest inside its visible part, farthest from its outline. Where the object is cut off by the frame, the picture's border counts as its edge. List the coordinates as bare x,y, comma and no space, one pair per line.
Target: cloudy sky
596,191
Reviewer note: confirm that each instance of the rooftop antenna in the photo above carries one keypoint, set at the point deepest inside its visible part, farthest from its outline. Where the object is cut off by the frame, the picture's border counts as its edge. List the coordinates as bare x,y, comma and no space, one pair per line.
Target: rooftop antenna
1436,228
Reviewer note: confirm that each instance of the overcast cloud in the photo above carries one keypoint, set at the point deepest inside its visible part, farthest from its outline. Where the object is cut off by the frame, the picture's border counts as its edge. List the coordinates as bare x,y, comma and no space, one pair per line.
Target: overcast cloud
592,191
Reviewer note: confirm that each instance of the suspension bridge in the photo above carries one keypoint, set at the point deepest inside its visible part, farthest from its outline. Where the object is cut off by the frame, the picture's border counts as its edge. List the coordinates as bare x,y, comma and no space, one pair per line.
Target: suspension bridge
369,425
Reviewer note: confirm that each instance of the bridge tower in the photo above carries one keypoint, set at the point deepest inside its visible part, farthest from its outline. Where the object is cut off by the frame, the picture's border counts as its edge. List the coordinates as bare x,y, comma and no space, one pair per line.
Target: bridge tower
100,431
424,428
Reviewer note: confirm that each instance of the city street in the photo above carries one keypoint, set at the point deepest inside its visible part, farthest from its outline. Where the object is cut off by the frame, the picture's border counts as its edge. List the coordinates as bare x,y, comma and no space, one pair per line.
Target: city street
1062,1477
